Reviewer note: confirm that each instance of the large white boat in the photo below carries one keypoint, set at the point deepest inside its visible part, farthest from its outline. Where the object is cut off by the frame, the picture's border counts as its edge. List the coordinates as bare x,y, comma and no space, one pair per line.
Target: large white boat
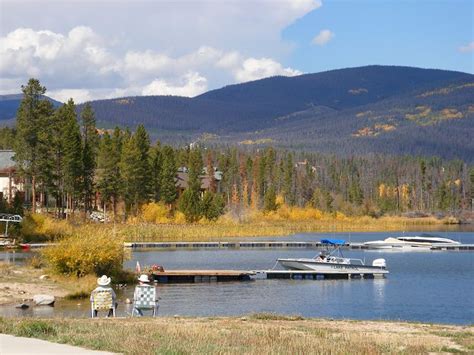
423,241
335,263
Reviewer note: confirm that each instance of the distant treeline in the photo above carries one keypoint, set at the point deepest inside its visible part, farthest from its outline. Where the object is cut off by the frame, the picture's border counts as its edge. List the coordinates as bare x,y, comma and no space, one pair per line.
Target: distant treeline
78,167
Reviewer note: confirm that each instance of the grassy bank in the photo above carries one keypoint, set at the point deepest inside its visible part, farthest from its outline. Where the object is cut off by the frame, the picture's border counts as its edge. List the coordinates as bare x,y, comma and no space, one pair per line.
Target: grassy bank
277,227
258,334
278,224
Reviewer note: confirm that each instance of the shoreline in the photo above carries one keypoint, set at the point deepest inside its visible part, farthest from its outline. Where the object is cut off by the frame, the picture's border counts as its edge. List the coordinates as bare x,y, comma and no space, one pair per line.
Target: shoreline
254,333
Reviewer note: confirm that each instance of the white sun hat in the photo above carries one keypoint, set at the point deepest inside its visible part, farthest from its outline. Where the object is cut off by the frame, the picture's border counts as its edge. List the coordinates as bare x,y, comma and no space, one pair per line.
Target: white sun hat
144,278
103,280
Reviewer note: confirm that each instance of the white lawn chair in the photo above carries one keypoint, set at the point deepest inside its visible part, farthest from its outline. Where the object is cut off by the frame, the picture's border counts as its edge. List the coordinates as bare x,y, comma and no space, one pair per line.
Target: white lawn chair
145,298
102,301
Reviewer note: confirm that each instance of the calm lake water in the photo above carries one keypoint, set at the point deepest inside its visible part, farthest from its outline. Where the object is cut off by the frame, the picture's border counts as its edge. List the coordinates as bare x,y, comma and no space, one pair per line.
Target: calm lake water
422,286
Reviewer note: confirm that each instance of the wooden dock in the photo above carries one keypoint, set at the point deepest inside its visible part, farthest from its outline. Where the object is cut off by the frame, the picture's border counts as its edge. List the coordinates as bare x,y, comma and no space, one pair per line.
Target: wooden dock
199,276
267,245
208,276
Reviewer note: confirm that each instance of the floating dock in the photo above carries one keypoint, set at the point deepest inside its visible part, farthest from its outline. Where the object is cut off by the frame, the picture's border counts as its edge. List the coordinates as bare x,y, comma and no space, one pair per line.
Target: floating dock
199,276
208,276
270,245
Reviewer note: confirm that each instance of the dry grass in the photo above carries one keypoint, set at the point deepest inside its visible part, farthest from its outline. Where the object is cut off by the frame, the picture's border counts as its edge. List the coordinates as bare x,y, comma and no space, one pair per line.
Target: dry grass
247,335
276,226
285,221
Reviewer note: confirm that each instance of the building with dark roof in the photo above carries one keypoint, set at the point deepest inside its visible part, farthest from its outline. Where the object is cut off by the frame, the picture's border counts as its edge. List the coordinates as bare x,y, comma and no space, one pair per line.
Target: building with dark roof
10,183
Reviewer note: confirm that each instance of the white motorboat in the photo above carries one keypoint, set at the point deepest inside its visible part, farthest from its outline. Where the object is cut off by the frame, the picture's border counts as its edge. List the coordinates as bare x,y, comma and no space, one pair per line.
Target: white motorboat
423,241
330,263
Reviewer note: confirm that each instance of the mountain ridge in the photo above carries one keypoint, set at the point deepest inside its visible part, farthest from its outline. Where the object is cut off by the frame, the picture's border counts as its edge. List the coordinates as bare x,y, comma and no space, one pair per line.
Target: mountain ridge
287,110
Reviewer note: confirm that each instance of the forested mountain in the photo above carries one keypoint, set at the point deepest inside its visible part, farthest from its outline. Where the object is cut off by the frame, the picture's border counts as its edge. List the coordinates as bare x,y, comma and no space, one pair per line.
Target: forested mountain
9,106
386,109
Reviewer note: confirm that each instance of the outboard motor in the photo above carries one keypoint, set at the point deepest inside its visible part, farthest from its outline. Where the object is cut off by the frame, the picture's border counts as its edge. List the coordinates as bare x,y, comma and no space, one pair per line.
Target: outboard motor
379,263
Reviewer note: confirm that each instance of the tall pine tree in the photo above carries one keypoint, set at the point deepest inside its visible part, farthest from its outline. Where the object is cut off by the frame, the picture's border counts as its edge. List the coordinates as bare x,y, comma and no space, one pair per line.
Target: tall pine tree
32,118
190,202
168,192
72,160
89,154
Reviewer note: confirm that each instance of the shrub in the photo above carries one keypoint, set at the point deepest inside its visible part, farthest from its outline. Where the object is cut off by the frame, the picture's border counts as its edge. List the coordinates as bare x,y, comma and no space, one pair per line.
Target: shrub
86,254
39,227
155,213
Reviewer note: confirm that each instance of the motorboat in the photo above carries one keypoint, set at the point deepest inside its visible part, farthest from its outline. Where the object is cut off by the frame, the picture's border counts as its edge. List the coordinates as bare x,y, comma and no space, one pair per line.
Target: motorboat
423,241
335,263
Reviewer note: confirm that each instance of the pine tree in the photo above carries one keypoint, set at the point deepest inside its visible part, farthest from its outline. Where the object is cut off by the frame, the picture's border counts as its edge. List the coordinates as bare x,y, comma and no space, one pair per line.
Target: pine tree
190,202
109,178
212,206
168,176
288,191
32,115
89,154
270,200
156,166
72,159
471,178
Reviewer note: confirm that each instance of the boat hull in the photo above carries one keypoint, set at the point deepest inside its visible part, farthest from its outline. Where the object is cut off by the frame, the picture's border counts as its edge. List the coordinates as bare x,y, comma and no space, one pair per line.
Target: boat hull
330,268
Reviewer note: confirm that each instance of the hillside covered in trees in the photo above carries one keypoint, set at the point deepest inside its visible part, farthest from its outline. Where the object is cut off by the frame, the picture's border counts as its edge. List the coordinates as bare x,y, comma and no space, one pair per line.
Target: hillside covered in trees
122,171
372,109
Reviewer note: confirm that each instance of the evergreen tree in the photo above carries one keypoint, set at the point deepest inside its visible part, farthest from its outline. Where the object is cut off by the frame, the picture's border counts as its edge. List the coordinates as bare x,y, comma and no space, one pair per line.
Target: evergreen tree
32,115
109,178
212,206
471,178
156,165
89,154
288,190
168,176
73,155
190,202
270,200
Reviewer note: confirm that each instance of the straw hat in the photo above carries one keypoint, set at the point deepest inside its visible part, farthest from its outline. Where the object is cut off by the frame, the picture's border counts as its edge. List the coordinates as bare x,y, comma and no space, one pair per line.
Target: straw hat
103,280
144,278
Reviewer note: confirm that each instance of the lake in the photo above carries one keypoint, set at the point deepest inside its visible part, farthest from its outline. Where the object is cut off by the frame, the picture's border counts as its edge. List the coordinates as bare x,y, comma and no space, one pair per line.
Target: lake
422,286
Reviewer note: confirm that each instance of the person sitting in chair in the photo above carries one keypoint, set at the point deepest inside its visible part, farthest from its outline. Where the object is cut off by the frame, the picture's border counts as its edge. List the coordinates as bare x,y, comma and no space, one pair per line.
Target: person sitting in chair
144,297
103,283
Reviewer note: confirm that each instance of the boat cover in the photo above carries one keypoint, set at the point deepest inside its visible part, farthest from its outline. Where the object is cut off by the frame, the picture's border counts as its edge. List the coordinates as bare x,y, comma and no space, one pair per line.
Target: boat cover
333,241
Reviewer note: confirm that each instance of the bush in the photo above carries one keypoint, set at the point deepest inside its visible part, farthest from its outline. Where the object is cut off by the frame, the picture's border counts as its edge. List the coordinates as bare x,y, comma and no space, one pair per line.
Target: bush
155,213
39,227
86,254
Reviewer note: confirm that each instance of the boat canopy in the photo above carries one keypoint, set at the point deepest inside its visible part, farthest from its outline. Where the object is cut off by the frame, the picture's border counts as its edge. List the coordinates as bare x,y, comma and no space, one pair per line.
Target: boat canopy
333,241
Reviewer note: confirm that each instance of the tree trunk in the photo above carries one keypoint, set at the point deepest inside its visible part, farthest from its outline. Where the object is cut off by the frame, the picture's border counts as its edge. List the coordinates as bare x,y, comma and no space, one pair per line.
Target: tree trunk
33,194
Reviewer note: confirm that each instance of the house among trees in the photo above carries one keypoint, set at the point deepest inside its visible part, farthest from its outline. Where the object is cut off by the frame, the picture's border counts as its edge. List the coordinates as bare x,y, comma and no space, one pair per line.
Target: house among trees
10,183
209,182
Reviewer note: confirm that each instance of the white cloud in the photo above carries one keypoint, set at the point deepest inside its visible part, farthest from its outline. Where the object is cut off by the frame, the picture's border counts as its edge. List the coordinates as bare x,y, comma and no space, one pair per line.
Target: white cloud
323,37
467,48
158,40
78,95
81,64
254,69
191,84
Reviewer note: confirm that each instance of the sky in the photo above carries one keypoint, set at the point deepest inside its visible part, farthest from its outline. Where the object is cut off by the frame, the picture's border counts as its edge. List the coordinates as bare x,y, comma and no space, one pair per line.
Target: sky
99,49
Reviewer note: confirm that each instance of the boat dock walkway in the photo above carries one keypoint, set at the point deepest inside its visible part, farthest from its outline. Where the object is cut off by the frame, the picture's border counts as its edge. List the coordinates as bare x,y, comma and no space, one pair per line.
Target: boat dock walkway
209,276
269,245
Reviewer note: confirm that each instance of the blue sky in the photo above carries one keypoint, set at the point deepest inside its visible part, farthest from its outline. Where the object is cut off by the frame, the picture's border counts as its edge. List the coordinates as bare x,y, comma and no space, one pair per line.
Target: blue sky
425,34
91,49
